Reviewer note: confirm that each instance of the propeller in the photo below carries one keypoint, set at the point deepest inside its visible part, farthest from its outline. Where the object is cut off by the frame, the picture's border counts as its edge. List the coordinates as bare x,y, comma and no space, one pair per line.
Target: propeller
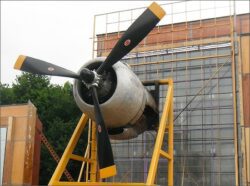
91,79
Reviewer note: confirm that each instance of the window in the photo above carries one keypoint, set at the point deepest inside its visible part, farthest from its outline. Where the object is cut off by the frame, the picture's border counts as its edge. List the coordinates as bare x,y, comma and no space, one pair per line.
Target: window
3,144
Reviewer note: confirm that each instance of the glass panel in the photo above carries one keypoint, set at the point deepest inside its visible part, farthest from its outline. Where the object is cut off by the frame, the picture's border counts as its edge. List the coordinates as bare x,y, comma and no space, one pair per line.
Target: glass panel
3,145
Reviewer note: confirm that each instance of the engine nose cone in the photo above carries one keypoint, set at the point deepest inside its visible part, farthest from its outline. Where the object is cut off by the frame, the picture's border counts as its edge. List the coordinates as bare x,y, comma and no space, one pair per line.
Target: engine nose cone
87,75
105,88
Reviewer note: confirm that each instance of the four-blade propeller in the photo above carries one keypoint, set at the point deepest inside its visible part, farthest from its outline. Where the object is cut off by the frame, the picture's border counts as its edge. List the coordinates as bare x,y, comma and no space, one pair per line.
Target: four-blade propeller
130,39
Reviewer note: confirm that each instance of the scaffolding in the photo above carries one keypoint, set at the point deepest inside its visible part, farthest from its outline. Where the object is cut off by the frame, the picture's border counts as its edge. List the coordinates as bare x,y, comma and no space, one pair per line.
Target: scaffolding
194,40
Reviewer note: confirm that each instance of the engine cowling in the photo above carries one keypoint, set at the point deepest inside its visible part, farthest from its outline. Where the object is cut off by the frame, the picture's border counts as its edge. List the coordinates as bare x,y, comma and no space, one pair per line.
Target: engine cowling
128,108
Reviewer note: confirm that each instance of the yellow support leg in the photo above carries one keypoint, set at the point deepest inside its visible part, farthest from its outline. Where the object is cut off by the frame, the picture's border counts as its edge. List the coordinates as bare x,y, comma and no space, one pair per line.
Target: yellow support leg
93,167
171,146
69,150
166,123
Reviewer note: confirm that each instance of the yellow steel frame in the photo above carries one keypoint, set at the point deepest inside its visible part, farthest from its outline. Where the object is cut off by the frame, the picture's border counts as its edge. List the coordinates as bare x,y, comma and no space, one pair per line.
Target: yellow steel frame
90,156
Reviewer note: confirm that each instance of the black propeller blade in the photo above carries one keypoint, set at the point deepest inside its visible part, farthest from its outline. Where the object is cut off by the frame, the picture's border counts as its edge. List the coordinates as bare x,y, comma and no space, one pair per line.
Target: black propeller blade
37,66
104,149
134,35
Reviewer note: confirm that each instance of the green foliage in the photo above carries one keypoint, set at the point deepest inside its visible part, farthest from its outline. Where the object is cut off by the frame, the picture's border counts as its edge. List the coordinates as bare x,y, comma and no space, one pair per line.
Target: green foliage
6,94
56,109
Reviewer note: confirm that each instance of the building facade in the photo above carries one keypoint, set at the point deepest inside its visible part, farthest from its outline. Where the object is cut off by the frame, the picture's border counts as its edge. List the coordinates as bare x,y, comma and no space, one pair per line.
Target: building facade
208,59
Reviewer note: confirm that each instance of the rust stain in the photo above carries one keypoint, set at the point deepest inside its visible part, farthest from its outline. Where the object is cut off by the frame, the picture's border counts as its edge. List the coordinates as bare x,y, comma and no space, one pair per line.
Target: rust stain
180,32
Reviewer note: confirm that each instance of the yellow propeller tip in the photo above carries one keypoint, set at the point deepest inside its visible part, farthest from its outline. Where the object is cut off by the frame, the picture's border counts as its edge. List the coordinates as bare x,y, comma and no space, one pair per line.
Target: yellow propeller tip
19,62
157,10
108,171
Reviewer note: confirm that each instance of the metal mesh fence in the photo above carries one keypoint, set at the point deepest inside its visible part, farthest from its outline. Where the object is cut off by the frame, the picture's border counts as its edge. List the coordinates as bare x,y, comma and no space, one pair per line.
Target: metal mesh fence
191,43
204,148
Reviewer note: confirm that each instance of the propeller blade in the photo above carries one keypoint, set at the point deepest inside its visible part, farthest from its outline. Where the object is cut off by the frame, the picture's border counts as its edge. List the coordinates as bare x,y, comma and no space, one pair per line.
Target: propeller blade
134,35
104,149
37,66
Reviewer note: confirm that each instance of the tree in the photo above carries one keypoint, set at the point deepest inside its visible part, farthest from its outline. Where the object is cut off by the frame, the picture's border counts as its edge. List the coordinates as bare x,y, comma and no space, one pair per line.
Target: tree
56,109
6,94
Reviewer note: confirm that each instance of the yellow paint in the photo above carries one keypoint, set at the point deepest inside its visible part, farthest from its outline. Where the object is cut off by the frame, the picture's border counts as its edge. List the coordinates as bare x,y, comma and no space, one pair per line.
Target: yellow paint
157,10
247,153
108,171
69,150
99,184
93,167
175,45
165,154
236,149
166,123
79,158
245,48
180,59
86,155
245,140
166,119
171,142
19,62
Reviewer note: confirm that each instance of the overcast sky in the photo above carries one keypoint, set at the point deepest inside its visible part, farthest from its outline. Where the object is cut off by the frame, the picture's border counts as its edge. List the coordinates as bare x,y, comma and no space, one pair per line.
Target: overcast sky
58,32
55,31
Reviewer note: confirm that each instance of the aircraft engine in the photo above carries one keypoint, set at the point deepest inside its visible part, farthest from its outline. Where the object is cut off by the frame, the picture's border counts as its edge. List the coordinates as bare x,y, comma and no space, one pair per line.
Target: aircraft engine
108,91
127,106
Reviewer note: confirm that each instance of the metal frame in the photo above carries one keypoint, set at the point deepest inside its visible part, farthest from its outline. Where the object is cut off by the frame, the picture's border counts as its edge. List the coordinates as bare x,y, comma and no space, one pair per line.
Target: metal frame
229,26
166,124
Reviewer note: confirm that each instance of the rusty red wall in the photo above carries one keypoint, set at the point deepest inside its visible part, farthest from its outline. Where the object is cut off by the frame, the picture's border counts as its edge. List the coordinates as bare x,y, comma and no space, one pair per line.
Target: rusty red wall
195,30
